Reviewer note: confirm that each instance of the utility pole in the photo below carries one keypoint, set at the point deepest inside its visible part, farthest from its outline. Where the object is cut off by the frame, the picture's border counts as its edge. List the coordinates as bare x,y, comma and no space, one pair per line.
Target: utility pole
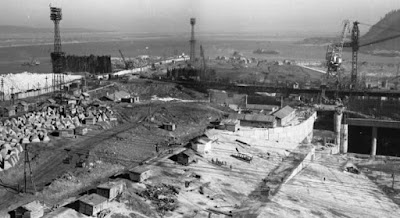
2,89
38,87
393,180
46,86
27,163
12,95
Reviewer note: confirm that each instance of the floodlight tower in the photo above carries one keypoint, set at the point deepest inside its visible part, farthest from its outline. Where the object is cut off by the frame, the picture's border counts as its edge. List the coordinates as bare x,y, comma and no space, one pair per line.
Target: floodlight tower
192,41
57,56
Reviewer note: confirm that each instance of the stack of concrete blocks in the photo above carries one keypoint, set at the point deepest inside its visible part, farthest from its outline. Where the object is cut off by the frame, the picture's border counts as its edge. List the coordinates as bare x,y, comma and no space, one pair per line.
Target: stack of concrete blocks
297,134
33,127
9,154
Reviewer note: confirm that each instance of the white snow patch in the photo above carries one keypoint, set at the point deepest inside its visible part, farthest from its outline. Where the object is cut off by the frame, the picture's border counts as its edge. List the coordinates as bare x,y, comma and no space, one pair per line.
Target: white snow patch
26,80
166,99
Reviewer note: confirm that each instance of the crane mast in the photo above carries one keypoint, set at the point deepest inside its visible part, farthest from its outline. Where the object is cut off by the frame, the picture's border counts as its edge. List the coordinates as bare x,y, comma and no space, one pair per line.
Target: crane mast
355,45
204,68
334,52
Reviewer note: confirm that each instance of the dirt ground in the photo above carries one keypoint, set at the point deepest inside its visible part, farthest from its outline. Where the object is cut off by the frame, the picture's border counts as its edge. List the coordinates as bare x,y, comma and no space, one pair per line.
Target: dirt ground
385,174
324,189
134,140
227,187
264,72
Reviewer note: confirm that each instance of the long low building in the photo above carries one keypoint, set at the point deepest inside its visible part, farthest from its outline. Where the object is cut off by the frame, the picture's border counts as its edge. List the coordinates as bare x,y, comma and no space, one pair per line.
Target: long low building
261,108
255,120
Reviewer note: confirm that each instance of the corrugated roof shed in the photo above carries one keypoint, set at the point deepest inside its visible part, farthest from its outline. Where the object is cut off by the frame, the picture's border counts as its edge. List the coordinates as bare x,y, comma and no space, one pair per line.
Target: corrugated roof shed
65,212
118,95
261,107
189,153
203,140
284,112
52,101
253,117
23,103
93,199
139,169
230,121
109,185
33,206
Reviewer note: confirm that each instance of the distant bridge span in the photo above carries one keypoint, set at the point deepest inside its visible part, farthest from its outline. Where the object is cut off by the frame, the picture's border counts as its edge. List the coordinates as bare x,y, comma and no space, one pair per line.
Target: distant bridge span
251,89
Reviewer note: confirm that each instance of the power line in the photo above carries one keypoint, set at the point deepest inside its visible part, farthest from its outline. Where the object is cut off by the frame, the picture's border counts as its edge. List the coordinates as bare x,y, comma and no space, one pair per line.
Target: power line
381,26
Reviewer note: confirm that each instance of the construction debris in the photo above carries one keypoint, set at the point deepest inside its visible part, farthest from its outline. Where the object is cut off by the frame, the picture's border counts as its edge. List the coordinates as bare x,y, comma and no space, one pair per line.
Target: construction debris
353,170
242,142
163,196
243,157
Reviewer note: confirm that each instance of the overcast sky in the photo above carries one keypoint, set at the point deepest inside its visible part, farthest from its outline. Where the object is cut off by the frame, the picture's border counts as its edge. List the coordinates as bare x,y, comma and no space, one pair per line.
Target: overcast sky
267,16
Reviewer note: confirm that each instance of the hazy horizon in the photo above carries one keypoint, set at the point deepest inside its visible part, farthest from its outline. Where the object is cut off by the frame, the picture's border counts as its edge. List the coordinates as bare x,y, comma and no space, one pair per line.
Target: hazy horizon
306,17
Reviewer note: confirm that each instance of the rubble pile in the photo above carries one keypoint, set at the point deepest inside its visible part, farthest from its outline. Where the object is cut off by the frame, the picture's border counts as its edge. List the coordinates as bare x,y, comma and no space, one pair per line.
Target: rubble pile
163,196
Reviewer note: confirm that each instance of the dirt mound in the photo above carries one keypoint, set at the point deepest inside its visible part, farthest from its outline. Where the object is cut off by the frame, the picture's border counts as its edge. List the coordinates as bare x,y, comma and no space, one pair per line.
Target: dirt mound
147,88
191,120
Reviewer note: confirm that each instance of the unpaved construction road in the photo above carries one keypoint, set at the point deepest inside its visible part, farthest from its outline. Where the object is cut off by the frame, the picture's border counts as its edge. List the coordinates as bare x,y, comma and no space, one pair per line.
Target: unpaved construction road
46,172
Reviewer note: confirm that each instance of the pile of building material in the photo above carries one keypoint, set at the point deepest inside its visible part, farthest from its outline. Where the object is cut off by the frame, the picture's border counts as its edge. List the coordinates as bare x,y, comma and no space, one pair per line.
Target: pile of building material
33,127
9,154
163,196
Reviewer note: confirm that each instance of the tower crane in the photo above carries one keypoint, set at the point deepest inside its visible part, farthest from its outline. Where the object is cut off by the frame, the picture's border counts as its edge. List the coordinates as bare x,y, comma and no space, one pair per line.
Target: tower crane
128,64
355,45
334,52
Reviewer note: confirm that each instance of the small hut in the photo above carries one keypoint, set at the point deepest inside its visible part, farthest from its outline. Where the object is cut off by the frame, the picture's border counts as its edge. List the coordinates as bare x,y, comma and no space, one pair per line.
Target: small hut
31,210
186,157
92,204
81,130
110,190
139,173
169,126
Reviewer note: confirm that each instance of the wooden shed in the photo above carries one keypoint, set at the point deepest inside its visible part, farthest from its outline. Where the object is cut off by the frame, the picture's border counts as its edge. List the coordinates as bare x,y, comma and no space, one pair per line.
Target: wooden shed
134,99
92,204
169,126
81,130
90,120
110,190
285,115
187,157
85,96
31,210
202,145
231,124
139,173
22,106
51,101
9,111
66,133
64,212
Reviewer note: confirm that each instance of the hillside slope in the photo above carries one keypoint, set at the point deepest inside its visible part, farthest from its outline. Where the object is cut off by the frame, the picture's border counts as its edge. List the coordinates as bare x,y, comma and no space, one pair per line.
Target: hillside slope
388,26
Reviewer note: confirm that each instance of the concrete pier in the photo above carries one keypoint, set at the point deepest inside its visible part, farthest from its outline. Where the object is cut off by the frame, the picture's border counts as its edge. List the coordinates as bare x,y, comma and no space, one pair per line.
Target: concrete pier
374,140
344,141
337,124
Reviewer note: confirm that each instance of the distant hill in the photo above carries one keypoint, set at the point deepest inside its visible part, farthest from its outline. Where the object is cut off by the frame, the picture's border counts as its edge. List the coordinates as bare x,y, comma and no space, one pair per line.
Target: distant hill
388,26
318,40
8,29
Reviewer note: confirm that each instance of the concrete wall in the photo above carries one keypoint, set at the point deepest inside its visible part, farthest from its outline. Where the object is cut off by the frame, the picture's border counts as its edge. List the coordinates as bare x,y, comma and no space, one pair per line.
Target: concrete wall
295,133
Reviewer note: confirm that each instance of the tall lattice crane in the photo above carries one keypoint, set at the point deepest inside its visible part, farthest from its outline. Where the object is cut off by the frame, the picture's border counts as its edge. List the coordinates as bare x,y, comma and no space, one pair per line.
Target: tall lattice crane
355,45
128,64
334,52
